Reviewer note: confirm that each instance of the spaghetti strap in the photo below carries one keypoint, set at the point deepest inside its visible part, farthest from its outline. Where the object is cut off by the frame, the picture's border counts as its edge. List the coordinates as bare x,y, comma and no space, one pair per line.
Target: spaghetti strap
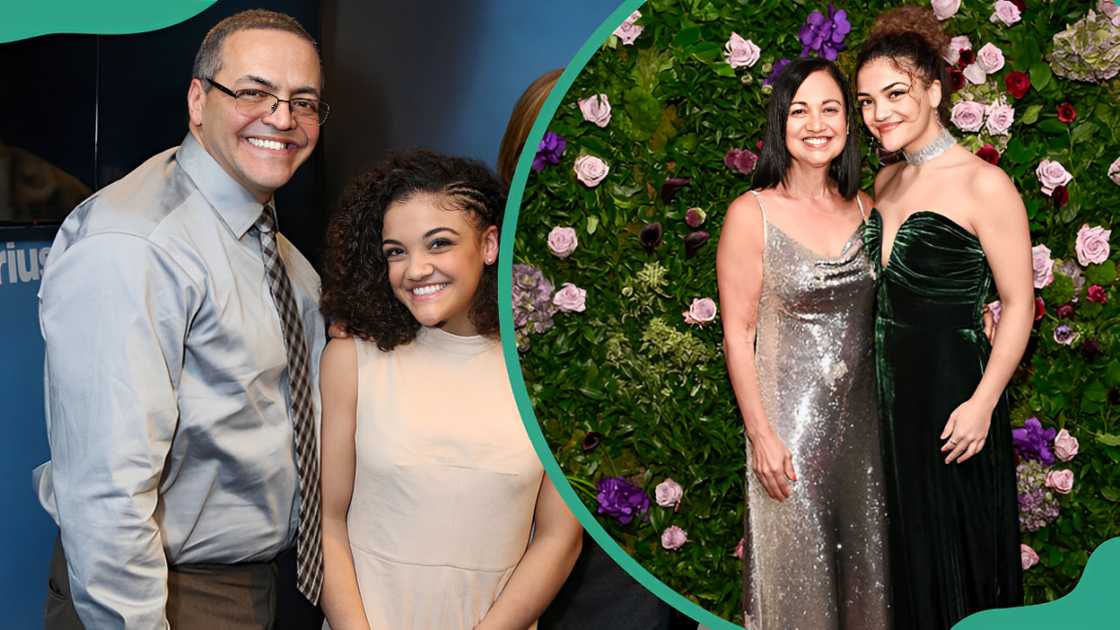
862,214
765,223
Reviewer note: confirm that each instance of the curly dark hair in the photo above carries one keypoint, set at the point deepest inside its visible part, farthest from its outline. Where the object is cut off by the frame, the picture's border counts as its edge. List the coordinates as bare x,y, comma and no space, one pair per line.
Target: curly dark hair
911,38
356,288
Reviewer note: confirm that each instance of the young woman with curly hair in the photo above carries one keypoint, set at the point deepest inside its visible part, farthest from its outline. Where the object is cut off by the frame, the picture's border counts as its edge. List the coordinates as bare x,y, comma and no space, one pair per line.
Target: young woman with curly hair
430,484
947,225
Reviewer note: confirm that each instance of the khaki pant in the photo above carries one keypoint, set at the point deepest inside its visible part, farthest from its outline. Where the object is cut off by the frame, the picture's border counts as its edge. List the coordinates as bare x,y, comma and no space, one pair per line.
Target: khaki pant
248,596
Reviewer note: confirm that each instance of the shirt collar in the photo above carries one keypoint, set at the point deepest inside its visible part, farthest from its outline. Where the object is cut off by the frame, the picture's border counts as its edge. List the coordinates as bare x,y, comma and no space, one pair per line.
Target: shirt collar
236,207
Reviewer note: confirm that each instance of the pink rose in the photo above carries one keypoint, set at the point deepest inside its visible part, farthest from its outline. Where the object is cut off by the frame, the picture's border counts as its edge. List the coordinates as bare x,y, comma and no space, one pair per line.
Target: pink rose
1051,175
740,160
570,298
1043,266
1006,12
562,241
739,52
945,9
596,109
956,45
1114,171
975,74
700,312
1092,245
967,115
668,493
628,31
590,170
1029,557
1061,481
739,551
1000,117
990,58
994,308
1065,445
673,538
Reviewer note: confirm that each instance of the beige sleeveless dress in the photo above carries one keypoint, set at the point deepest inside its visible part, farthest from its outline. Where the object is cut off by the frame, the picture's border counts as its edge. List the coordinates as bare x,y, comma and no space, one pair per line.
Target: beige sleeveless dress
445,482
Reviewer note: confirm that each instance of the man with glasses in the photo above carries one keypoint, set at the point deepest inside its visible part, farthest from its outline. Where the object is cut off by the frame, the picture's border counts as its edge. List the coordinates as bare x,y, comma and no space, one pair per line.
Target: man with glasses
182,348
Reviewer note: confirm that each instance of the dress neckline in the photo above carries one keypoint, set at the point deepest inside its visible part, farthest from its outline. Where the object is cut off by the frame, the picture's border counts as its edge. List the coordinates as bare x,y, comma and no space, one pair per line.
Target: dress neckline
953,225
440,339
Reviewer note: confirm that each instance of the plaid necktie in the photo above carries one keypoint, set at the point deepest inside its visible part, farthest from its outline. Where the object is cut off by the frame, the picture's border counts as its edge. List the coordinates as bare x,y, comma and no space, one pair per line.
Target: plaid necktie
309,551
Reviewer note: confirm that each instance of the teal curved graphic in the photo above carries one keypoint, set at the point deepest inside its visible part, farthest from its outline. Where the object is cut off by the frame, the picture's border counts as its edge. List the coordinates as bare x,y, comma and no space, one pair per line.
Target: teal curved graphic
116,17
1088,607
1093,604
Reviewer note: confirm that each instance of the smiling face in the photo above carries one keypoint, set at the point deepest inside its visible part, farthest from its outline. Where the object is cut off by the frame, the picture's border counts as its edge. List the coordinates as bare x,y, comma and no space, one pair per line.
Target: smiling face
816,126
261,152
898,107
436,255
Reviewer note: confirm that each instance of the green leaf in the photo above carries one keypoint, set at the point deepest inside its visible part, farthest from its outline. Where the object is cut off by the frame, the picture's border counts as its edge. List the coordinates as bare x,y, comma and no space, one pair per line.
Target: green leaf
1103,274
1040,75
1030,116
1111,493
1108,439
1083,131
592,223
1053,126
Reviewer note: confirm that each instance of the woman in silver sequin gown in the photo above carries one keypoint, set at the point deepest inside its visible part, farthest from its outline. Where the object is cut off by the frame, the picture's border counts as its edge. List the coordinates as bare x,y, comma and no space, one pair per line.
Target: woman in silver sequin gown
798,335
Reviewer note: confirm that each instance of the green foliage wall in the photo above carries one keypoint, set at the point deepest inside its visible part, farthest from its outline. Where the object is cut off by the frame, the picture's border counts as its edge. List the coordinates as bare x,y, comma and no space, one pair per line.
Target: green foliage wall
631,370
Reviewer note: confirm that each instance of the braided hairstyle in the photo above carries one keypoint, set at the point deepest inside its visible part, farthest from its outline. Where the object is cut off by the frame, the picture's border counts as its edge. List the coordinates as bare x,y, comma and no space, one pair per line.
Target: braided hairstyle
356,287
911,39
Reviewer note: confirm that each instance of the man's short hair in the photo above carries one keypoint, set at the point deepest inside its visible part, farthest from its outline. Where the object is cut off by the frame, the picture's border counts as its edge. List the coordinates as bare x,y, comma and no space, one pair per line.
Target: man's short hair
208,61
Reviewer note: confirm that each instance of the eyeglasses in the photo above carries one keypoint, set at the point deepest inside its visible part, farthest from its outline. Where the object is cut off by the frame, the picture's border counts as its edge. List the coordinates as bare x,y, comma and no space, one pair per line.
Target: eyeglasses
253,102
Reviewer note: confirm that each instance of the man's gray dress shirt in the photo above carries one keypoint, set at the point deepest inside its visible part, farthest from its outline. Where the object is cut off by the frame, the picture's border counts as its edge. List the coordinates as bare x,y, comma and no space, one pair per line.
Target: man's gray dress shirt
166,385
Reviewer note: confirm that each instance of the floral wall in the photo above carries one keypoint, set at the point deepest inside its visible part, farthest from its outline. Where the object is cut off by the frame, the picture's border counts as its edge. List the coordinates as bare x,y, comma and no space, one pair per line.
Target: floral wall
614,289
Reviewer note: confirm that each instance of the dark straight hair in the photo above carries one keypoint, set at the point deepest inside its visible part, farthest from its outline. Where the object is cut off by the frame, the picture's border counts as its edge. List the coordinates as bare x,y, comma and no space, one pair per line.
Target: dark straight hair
773,164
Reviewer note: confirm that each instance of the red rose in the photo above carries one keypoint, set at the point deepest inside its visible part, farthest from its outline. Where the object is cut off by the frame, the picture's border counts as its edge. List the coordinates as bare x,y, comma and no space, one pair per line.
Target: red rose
989,154
1097,294
1065,311
1020,4
1060,196
1039,309
956,79
967,58
1018,83
758,145
1066,113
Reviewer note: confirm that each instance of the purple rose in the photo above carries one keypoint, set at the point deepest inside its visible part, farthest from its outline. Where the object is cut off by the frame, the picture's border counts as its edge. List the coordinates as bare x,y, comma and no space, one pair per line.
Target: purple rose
1051,174
967,115
596,109
1065,335
590,170
1032,441
1060,481
549,151
739,52
1006,12
562,241
620,499
1043,266
629,31
975,74
668,493
570,298
945,9
673,538
1000,117
740,160
956,45
1092,245
1065,445
700,312
990,58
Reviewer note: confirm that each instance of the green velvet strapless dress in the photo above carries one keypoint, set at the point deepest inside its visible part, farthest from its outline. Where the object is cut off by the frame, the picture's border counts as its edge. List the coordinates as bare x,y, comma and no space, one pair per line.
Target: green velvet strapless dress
954,528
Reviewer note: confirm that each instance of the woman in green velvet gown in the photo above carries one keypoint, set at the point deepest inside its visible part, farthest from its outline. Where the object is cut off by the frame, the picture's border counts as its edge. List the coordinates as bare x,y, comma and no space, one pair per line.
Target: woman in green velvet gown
947,225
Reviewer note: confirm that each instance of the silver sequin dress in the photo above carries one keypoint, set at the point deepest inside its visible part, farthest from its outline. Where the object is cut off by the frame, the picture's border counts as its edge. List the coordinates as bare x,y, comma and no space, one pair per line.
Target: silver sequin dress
817,561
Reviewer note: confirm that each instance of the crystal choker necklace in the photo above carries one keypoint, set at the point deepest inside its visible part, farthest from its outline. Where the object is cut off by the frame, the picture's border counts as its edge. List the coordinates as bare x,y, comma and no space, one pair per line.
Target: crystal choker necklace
939,145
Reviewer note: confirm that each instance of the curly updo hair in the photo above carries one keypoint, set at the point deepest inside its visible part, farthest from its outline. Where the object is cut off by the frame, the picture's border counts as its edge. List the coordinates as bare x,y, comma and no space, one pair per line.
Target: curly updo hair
356,288
910,37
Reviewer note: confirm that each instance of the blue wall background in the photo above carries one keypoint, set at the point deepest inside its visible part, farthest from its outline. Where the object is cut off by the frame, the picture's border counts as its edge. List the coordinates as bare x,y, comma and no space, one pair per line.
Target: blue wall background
441,75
